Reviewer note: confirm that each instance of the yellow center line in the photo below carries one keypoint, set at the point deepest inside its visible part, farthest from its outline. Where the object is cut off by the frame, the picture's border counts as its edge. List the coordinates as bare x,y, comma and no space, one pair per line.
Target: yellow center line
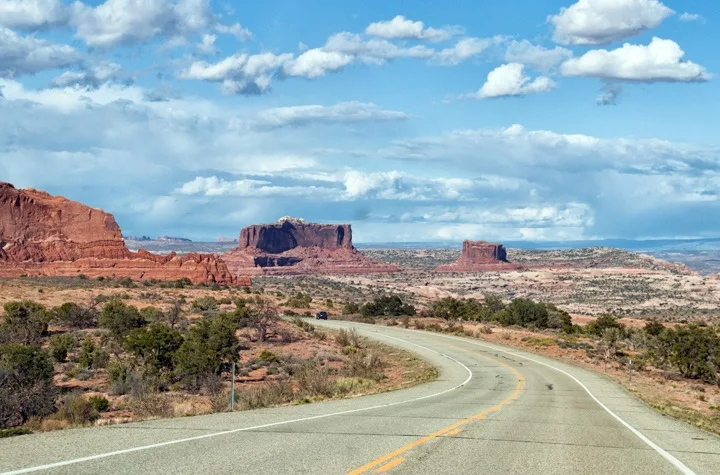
452,432
451,428
390,465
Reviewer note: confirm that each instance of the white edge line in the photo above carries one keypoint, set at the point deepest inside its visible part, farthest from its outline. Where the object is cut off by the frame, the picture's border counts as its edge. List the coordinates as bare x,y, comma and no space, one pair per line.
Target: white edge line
669,457
244,429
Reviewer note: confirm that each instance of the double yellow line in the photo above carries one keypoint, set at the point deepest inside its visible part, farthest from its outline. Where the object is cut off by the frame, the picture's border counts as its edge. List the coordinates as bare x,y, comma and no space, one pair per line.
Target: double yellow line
390,461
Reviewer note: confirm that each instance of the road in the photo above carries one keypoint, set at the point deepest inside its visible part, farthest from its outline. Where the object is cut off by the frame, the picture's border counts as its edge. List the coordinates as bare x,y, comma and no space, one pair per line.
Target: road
493,410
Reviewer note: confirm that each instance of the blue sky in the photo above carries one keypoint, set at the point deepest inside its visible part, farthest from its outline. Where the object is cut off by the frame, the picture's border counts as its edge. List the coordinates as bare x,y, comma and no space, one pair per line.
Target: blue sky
414,121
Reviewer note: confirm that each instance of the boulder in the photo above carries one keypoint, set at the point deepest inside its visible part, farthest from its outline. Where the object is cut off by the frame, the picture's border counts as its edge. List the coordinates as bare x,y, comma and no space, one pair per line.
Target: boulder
41,234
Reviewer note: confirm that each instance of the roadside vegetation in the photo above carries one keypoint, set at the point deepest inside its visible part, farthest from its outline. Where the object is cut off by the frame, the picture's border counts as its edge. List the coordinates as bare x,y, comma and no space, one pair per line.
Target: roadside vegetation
675,368
152,351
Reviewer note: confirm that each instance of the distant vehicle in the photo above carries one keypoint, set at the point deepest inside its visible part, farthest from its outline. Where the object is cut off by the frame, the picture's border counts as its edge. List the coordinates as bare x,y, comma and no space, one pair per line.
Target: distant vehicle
321,316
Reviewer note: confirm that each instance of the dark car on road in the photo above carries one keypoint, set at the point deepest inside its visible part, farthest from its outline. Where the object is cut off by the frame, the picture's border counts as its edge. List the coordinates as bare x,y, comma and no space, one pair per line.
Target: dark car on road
321,316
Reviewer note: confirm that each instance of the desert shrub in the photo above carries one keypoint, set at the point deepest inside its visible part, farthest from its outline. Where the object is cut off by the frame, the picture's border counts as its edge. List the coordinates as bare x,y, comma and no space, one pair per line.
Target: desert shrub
286,336
25,322
87,353
127,282
151,405
152,314
350,308
299,300
204,304
267,394
155,345
419,324
598,326
693,350
72,315
558,319
542,342
262,316
450,308
14,432
362,364
61,345
26,387
387,306
353,385
308,327
313,379
653,327
525,312
174,316
120,376
225,301
76,410
99,403
209,347
120,318
484,330
182,283
267,356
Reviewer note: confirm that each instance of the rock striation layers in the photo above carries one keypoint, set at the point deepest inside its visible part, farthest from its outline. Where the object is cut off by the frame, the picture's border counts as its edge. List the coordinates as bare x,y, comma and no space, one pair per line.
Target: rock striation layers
292,246
41,234
480,256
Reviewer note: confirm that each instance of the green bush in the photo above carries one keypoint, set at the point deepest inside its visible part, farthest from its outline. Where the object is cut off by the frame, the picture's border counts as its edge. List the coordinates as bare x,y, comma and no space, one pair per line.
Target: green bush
25,322
14,432
209,348
350,308
654,328
99,403
73,315
387,306
155,345
693,350
299,300
204,304
77,410
120,318
61,345
598,326
152,314
26,386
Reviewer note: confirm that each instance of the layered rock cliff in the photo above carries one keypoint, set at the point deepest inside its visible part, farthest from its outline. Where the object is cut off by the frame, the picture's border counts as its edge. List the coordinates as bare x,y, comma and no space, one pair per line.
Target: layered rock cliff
480,256
41,234
292,246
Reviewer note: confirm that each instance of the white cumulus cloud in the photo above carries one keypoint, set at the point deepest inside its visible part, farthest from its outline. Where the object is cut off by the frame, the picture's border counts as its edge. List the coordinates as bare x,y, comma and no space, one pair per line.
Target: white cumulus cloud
239,74
596,22
316,62
405,29
510,80
21,55
661,60
128,22
536,56
343,112
32,14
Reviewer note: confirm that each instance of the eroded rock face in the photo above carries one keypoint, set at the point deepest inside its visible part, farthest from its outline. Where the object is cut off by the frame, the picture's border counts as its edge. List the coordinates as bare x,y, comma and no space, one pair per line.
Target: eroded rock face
480,256
281,237
296,247
41,234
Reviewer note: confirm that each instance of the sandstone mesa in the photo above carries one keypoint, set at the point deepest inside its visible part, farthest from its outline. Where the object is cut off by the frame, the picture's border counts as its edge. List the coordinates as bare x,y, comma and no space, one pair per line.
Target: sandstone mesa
479,256
45,235
292,246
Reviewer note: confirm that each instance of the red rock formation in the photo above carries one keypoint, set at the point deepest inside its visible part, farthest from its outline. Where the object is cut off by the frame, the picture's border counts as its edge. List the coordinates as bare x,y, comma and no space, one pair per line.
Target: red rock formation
294,247
42,234
480,256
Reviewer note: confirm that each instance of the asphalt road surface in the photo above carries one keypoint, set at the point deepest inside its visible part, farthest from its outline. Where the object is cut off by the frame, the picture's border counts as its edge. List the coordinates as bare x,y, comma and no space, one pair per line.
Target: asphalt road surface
493,410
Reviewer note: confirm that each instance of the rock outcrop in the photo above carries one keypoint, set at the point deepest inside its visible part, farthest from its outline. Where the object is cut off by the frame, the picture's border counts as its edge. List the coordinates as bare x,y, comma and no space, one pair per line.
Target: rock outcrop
480,256
292,246
41,234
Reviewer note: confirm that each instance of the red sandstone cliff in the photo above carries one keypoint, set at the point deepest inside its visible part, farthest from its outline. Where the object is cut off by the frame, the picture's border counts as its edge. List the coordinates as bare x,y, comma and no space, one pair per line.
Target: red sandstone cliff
42,234
480,256
295,247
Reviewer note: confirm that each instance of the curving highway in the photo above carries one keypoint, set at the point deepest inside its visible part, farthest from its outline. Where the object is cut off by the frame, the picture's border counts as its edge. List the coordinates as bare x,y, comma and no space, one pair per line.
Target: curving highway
493,410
